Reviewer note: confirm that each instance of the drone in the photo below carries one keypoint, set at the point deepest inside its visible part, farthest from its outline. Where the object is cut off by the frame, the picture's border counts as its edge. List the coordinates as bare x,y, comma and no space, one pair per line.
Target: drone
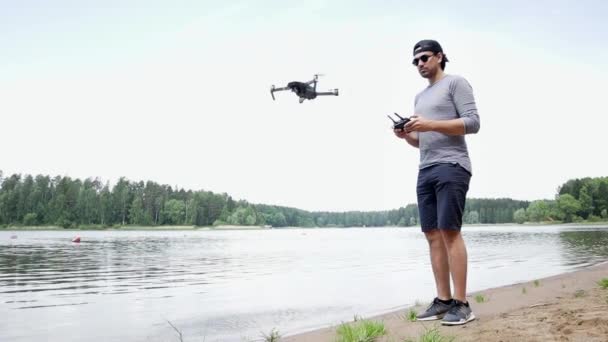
304,90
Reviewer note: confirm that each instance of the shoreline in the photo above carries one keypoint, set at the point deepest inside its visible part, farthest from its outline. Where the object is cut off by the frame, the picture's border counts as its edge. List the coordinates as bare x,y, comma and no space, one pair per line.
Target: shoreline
241,227
566,307
132,228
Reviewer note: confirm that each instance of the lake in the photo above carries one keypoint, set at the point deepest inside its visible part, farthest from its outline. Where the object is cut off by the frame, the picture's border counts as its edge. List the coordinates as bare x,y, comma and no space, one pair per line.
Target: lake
234,285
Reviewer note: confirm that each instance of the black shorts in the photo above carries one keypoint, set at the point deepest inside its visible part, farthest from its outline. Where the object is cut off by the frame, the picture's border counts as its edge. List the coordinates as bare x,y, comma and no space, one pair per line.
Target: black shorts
442,191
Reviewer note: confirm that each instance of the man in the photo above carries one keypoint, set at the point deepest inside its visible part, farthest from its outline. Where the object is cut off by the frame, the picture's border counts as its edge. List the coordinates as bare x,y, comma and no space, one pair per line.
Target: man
444,112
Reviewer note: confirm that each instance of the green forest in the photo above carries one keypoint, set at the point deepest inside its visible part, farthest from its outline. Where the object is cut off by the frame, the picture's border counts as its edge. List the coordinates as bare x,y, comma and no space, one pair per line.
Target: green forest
41,200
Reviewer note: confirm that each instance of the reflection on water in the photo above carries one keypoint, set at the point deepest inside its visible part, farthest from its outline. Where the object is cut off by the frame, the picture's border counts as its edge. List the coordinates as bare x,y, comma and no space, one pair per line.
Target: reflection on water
584,247
92,267
231,285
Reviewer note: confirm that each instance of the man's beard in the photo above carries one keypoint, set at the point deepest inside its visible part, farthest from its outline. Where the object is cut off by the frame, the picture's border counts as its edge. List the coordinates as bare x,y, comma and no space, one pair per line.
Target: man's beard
428,74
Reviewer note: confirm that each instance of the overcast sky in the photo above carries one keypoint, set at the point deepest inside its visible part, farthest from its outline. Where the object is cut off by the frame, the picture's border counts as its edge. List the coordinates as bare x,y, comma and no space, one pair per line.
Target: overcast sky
177,92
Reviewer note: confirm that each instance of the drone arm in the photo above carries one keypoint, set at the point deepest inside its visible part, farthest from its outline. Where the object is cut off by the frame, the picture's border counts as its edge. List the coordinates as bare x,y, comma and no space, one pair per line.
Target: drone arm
334,92
273,89
279,89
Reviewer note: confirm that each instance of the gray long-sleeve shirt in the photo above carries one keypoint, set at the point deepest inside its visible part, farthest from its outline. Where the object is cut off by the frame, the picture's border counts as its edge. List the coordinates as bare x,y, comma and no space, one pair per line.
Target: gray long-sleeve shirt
449,98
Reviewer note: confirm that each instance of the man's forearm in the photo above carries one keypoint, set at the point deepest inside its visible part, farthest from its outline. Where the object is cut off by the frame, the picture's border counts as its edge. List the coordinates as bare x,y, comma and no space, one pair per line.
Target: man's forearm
449,127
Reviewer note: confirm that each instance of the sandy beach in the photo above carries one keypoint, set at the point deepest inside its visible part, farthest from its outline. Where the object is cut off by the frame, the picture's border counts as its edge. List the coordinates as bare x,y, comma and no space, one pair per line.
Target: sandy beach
566,307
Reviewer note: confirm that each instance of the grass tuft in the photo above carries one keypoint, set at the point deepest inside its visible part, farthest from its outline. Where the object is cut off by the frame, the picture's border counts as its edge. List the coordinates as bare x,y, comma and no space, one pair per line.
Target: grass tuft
603,283
362,331
411,315
273,336
580,293
481,298
431,335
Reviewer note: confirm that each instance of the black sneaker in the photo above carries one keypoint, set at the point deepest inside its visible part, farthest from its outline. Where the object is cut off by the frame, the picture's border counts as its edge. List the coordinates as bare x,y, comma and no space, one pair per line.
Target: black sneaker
460,313
435,311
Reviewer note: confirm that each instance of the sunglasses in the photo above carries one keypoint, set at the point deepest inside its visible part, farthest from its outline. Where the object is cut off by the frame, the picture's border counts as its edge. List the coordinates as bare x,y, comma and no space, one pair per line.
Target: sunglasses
423,58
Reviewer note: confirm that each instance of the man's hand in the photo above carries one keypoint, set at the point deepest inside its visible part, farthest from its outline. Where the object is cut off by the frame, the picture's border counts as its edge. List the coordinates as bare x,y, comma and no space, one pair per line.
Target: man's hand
419,124
411,138
400,133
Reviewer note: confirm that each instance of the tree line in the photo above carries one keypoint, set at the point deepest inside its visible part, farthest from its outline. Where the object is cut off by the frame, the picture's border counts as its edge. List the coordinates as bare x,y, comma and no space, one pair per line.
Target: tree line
41,200
577,200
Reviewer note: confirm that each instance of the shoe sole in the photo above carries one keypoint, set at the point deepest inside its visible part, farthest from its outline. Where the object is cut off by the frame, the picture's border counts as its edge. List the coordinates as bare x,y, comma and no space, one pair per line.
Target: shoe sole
431,318
461,322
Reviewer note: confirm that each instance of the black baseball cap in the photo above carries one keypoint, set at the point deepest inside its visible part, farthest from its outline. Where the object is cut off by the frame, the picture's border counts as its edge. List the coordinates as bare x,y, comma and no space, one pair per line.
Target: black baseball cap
429,45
